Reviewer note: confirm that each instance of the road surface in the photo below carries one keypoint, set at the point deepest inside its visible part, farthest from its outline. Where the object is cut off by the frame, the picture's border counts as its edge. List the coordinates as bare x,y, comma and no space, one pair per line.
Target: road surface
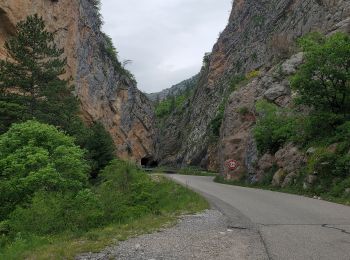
290,226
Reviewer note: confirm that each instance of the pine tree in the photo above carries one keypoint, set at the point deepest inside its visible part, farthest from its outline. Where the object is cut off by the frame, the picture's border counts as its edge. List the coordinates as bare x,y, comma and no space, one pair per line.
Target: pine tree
30,78
31,86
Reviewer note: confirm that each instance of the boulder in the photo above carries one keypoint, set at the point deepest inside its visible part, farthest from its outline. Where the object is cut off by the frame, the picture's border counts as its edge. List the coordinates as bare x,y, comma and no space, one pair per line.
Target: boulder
277,90
283,101
290,66
290,159
266,162
289,179
278,178
309,181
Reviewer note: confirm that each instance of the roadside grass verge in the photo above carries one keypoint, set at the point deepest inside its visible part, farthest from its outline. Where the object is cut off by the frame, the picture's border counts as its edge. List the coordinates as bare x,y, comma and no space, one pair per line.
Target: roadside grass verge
296,190
195,171
169,200
189,170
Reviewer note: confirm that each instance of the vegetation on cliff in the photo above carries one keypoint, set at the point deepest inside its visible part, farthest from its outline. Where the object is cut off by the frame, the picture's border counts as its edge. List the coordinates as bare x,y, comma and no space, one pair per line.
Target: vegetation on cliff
175,100
31,86
317,122
235,83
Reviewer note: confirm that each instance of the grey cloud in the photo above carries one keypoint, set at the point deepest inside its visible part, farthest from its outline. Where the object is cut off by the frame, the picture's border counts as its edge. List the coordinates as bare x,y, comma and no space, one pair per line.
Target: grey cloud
165,39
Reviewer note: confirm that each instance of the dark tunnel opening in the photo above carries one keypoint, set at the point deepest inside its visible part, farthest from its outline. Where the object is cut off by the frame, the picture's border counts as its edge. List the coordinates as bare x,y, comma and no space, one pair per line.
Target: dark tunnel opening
149,162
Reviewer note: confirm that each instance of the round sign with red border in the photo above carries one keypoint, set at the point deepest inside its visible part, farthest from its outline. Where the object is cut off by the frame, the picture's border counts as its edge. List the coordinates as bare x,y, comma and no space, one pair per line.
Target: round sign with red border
232,164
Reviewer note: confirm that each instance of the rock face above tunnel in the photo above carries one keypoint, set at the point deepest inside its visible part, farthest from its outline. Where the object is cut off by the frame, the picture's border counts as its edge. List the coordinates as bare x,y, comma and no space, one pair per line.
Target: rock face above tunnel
107,94
259,34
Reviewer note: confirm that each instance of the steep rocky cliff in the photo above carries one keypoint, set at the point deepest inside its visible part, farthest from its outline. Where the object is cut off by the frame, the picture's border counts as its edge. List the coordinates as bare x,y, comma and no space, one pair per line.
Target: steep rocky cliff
107,93
259,36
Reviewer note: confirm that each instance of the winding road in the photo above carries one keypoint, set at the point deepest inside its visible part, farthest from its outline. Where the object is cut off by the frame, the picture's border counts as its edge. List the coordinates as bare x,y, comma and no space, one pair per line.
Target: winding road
289,226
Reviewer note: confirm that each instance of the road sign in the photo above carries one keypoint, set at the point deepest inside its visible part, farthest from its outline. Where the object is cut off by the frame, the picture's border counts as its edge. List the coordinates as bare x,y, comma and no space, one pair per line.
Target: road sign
232,164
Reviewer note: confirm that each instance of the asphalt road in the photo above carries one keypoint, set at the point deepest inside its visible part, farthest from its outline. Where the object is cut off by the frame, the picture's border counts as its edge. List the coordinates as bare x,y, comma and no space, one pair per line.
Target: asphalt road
290,226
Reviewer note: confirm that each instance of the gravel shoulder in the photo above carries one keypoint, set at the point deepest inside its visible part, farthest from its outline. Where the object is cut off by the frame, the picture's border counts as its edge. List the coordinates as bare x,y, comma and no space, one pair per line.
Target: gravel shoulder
208,235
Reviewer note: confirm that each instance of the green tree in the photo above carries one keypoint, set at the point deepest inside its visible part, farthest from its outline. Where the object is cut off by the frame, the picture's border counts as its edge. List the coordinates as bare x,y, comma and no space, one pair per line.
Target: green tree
323,81
100,148
37,157
31,84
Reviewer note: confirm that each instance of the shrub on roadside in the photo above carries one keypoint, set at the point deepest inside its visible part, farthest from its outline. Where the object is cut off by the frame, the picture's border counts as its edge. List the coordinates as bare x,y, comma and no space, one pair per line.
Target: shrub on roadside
38,157
126,192
52,213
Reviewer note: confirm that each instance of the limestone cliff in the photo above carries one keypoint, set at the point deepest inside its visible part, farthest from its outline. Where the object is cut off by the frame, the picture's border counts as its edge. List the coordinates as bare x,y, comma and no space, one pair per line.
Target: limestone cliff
107,93
259,35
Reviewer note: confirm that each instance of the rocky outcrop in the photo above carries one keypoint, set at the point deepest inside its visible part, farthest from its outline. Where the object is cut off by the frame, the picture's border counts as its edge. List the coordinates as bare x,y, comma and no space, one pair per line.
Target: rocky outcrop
268,85
107,93
259,35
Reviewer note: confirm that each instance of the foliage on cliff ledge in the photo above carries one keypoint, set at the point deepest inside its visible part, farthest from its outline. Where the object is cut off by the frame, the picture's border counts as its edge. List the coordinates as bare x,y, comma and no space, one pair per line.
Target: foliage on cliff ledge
216,123
173,102
322,84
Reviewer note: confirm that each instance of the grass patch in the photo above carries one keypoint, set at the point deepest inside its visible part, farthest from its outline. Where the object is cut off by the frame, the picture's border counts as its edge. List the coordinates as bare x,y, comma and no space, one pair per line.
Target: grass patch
67,246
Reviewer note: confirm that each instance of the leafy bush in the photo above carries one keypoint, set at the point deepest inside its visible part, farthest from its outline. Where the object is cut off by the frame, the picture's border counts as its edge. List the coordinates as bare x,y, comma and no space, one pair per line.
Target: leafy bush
125,196
274,128
317,128
342,137
52,213
338,189
37,157
100,148
321,163
323,80
126,192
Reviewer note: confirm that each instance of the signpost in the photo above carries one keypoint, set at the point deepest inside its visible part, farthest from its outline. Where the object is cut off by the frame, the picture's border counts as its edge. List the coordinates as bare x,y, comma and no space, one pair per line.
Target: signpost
232,164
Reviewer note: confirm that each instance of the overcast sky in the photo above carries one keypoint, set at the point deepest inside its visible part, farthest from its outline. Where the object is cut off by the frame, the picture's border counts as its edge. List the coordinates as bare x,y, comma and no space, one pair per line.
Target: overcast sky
165,39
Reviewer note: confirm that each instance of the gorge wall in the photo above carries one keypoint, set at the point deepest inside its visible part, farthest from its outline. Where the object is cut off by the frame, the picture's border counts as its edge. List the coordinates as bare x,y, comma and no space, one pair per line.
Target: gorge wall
260,37
107,94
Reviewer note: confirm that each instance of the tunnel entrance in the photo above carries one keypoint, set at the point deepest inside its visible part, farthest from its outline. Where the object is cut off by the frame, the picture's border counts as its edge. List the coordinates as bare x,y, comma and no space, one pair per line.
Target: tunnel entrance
149,162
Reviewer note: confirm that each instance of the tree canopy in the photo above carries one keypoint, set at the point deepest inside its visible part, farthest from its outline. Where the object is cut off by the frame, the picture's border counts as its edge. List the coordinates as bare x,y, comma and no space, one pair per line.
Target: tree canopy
323,81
